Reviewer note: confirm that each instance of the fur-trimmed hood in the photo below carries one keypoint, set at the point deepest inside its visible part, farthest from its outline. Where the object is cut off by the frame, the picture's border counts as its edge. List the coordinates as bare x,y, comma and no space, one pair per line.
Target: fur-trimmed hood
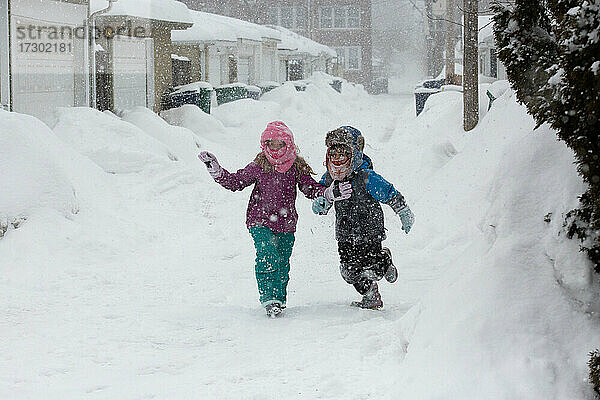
351,137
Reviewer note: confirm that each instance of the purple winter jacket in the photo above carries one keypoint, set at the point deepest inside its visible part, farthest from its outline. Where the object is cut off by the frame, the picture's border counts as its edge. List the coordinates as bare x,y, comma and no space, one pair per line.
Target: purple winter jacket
273,200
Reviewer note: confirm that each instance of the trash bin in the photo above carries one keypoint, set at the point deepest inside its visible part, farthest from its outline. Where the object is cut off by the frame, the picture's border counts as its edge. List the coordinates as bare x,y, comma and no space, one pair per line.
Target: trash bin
421,96
336,84
165,100
434,83
197,93
231,92
491,97
300,85
254,92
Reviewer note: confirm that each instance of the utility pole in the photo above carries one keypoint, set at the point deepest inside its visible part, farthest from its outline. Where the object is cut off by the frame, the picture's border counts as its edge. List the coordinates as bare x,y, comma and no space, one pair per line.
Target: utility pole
450,43
470,68
429,37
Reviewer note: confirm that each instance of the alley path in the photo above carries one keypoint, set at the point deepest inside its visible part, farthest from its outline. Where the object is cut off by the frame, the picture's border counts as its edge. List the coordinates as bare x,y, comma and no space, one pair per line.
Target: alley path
160,301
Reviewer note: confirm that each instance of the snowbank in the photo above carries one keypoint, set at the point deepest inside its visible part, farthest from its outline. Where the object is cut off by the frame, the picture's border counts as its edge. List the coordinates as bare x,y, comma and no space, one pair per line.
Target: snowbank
33,177
182,143
115,145
500,302
193,118
499,322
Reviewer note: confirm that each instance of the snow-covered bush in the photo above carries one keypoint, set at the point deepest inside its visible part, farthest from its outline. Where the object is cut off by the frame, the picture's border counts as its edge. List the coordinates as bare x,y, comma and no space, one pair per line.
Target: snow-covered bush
551,52
33,177
594,365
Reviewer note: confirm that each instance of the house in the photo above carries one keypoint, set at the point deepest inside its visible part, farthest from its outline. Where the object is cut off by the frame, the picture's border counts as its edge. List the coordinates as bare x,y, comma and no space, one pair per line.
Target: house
346,27
46,55
340,24
489,65
300,57
132,51
225,50
46,64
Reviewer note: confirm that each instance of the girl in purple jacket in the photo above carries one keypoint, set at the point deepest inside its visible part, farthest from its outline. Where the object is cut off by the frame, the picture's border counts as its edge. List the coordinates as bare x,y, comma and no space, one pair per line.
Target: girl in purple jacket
271,216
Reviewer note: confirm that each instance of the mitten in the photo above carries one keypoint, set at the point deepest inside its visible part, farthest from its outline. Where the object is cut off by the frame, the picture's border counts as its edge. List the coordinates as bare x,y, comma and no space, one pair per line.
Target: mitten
407,217
338,191
321,205
212,165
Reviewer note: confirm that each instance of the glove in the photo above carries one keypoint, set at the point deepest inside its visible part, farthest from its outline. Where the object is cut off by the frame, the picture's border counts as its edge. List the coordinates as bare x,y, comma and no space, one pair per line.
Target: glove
212,165
407,217
320,205
338,191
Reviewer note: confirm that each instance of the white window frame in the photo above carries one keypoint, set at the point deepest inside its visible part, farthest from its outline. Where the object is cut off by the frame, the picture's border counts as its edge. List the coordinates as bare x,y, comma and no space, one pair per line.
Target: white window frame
275,17
345,50
331,16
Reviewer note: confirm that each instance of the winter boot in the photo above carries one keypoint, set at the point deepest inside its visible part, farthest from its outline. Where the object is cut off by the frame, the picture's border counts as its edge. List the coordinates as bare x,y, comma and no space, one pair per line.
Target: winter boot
392,273
273,310
371,299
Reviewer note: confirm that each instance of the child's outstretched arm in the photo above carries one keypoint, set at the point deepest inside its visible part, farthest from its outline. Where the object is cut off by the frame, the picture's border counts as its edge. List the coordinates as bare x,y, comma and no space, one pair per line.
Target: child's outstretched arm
384,192
212,165
234,182
311,188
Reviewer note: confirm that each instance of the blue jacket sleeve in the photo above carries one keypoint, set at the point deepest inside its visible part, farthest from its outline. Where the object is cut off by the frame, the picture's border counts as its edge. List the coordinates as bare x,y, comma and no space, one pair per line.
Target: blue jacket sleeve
380,189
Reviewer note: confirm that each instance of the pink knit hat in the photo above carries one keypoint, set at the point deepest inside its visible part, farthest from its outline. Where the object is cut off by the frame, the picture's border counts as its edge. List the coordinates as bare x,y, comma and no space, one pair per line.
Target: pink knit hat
285,157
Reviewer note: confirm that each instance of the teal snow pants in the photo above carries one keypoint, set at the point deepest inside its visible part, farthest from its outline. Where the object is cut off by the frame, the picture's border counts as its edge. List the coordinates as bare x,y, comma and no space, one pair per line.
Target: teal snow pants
273,252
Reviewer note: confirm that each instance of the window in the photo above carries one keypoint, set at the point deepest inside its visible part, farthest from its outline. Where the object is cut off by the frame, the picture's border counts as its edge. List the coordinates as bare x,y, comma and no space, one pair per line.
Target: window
493,63
326,20
300,18
273,16
354,58
341,55
341,17
353,17
350,57
288,17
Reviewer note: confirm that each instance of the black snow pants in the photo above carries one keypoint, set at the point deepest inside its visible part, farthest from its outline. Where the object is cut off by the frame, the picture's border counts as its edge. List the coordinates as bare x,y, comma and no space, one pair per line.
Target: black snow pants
361,264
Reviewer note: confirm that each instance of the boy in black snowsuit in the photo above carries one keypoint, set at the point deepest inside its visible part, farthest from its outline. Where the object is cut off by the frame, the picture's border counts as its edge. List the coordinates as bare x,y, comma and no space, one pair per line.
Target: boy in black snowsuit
359,225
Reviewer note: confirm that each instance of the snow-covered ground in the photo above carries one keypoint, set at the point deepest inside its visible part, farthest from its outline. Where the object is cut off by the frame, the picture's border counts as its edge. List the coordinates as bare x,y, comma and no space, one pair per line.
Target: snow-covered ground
129,274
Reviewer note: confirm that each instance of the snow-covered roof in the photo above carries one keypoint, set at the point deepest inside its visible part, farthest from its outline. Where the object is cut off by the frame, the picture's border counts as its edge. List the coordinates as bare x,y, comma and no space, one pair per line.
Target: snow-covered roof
178,57
213,27
159,10
295,42
194,87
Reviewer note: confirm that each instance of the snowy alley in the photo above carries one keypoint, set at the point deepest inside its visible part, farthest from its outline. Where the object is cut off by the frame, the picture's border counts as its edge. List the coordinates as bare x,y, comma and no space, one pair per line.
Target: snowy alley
131,273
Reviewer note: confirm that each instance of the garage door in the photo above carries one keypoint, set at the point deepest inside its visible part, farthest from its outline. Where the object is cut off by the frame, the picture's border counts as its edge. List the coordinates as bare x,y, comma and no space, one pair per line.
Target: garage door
49,62
133,73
